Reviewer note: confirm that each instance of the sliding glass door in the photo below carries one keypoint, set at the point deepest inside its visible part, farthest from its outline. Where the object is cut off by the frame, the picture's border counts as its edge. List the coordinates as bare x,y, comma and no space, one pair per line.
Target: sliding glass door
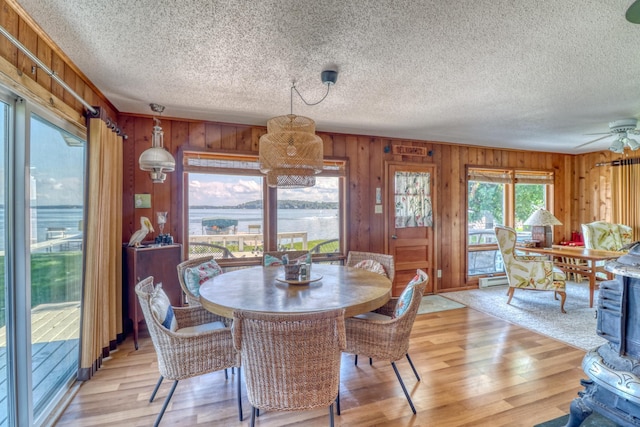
56,177
41,259
4,135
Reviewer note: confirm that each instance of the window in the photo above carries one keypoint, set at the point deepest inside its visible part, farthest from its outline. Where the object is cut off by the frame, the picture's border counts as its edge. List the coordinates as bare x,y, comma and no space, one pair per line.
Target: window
500,197
229,203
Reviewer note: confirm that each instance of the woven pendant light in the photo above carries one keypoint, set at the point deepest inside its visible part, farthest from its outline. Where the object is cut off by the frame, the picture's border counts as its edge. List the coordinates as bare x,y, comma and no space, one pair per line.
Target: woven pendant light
290,152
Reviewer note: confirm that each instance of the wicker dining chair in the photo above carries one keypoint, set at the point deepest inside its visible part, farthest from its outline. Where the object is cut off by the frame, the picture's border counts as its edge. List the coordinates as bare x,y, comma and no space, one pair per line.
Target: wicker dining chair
291,361
292,255
362,260
384,333
196,342
190,290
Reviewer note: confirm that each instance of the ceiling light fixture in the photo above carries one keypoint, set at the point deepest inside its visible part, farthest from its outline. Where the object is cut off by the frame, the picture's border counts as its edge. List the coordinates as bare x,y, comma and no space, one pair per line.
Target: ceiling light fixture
623,128
156,160
290,153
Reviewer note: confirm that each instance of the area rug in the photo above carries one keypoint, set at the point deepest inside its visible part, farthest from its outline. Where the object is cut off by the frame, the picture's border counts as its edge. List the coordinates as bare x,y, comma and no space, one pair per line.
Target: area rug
593,420
540,312
435,303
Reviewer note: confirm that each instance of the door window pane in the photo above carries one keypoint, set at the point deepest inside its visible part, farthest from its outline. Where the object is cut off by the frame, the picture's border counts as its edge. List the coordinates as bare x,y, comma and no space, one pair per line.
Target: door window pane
57,161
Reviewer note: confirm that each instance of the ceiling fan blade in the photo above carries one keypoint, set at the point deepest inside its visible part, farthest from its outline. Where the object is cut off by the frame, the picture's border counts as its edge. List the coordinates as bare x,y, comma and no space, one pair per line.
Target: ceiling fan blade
594,140
633,13
599,133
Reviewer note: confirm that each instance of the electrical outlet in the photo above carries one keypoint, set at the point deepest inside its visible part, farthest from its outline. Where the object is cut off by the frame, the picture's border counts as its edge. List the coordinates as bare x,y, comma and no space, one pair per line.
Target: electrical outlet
439,274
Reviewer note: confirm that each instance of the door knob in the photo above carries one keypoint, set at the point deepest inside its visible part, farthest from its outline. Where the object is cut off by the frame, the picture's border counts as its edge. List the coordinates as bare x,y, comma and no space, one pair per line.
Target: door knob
394,236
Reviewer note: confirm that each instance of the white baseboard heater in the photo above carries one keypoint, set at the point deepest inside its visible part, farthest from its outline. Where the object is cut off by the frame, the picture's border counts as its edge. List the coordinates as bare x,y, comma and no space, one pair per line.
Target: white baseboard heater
486,282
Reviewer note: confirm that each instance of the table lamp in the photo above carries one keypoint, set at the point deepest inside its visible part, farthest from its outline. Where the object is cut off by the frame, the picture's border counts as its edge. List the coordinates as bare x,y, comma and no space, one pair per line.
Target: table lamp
541,221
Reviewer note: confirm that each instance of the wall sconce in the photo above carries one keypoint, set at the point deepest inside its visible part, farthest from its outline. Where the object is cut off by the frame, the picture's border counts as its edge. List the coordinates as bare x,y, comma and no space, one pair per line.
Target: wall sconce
156,160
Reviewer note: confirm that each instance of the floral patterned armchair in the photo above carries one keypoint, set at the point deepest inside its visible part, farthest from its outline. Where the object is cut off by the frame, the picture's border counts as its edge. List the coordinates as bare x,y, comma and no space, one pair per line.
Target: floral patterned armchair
529,272
606,236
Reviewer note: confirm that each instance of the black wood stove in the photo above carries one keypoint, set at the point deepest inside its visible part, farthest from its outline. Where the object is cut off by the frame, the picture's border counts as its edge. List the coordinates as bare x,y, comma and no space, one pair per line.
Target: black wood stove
613,387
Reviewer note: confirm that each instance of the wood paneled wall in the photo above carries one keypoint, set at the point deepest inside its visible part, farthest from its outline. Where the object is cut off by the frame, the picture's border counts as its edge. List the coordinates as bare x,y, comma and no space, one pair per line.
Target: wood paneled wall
19,72
581,188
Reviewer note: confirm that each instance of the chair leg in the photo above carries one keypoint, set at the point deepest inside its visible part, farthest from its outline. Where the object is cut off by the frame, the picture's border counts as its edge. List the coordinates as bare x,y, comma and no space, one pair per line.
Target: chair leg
155,390
510,293
406,393
413,367
166,403
356,360
226,374
338,403
331,415
563,298
370,361
253,417
239,395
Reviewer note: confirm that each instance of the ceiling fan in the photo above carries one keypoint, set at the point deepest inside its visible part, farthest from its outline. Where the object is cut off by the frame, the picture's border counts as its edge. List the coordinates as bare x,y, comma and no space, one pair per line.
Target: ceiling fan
633,13
622,129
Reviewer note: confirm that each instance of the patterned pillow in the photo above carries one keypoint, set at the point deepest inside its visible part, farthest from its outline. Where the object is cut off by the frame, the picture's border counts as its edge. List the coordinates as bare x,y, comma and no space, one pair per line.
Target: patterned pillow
194,277
373,266
271,261
162,310
405,297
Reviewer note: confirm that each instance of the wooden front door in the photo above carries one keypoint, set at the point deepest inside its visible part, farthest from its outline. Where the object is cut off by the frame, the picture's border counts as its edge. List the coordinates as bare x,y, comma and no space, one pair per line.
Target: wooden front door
409,234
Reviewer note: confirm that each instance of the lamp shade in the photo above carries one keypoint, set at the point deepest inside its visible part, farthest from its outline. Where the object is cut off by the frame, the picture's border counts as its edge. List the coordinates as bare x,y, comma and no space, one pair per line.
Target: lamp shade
156,160
542,217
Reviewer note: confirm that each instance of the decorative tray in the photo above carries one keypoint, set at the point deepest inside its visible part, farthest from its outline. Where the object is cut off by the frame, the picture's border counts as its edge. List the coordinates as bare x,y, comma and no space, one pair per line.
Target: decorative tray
314,278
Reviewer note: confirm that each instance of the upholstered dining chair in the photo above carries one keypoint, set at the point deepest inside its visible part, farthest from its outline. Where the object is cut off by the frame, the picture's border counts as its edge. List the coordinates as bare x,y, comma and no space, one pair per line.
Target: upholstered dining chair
384,333
528,272
364,260
291,361
274,258
189,341
193,272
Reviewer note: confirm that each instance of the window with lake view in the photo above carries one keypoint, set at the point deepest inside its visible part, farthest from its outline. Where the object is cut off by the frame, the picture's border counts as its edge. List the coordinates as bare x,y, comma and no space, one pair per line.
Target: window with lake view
227,210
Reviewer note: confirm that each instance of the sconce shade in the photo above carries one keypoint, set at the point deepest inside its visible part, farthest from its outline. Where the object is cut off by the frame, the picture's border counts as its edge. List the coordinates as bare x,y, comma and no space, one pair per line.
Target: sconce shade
290,153
156,159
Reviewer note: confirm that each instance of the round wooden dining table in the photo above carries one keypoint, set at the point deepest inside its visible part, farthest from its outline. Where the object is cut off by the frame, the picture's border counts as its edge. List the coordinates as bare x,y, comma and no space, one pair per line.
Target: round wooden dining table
262,289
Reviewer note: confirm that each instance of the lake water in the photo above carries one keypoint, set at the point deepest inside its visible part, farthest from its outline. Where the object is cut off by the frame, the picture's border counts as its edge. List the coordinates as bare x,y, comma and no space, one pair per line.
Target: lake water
320,224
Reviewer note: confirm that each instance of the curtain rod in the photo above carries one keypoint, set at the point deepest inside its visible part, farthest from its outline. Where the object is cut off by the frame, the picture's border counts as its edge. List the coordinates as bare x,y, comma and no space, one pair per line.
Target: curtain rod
46,69
623,162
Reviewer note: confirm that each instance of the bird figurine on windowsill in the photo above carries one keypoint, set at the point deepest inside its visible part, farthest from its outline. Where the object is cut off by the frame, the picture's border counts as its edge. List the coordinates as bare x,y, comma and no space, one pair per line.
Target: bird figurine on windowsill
139,235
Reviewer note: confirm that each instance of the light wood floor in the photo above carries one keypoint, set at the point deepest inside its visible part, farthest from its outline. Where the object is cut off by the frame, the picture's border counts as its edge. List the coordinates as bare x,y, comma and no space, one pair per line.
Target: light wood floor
476,370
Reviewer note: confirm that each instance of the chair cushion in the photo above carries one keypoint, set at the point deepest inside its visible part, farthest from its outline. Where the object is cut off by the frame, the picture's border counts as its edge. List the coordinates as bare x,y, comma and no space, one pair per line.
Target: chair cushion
205,327
405,297
371,265
161,309
372,315
194,277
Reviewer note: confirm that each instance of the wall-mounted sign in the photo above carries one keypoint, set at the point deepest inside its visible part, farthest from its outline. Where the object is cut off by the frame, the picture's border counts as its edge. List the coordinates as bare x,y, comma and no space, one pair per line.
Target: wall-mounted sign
408,150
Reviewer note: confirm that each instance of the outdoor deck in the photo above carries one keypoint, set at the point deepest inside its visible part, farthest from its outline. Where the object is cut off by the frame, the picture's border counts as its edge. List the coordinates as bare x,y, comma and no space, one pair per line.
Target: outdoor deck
55,331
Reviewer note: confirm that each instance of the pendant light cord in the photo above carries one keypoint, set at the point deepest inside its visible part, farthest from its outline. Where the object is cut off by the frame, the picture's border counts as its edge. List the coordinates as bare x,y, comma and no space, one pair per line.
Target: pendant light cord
293,88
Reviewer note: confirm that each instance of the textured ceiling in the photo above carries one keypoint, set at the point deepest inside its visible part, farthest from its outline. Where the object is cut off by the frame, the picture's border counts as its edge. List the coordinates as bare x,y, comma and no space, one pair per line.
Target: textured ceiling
535,74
